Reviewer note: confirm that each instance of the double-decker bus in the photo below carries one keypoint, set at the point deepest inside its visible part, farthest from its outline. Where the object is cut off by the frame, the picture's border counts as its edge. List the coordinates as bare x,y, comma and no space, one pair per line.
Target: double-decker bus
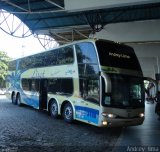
95,81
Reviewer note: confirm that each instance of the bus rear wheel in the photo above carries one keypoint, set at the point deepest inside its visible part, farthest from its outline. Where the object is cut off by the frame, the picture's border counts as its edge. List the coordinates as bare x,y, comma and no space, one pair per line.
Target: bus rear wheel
13,98
54,109
18,100
68,113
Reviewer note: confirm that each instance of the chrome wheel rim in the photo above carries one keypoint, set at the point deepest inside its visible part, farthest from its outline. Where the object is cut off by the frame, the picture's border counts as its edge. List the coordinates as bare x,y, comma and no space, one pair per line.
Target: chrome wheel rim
54,109
68,113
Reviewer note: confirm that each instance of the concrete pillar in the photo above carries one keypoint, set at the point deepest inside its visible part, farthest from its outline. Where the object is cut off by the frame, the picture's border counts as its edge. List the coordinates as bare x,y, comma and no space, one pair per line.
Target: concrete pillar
158,64
158,86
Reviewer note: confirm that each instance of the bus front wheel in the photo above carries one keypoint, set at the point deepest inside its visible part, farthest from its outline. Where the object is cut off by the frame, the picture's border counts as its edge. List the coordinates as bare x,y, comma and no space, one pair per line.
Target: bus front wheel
68,113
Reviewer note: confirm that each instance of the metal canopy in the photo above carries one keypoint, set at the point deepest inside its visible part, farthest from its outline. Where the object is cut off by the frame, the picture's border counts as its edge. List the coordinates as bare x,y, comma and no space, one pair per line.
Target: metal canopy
49,17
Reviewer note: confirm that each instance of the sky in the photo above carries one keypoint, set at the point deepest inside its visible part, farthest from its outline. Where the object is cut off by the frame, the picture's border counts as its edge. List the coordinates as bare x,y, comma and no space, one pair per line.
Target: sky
19,47
13,46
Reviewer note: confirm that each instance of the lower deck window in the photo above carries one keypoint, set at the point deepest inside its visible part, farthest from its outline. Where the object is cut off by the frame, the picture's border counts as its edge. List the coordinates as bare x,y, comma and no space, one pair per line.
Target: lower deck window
63,86
89,89
30,84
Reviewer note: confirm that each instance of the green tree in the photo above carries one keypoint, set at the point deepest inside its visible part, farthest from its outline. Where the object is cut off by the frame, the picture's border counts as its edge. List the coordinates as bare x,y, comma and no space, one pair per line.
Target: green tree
4,59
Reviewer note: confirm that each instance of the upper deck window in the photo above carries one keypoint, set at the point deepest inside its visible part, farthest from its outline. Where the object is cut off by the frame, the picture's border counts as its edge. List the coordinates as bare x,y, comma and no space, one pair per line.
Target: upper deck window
59,56
88,71
86,53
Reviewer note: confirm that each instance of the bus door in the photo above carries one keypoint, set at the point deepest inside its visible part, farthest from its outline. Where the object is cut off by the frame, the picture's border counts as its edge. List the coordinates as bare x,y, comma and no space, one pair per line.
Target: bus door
43,94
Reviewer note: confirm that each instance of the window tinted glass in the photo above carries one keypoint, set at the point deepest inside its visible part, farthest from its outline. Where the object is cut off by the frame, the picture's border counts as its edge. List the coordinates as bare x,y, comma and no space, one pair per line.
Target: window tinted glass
67,86
86,53
26,84
117,55
65,55
88,69
54,85
60,86
126,91
89,89
55,57
34,85
30,84
49,58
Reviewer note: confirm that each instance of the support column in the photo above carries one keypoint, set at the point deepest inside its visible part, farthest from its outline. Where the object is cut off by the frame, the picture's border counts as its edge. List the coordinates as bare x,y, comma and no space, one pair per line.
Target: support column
157,76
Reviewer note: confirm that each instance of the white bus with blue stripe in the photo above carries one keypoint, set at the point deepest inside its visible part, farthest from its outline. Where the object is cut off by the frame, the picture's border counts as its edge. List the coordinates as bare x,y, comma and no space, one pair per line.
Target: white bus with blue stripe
94,81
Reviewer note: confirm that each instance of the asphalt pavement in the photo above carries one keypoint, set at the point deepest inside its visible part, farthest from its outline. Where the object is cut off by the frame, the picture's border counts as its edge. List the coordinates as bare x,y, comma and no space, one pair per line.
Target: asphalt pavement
24,129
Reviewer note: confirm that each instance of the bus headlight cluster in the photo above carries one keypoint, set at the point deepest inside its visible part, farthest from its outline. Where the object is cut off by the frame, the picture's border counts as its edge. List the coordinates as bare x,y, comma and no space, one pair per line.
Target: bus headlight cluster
141,115
104,123
108,115
111,116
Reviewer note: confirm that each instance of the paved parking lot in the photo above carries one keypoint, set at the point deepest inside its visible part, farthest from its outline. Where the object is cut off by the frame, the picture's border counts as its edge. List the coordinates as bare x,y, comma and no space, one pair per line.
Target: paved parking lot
26,129
145,137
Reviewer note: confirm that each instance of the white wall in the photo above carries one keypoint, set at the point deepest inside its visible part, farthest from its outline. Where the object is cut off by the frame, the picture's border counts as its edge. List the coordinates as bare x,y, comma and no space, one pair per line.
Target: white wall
148,55
132,31
79,5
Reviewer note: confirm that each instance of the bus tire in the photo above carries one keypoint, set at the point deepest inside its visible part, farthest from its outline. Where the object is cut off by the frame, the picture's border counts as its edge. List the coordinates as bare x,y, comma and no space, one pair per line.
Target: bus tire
54,109
68,113
18,100
13,98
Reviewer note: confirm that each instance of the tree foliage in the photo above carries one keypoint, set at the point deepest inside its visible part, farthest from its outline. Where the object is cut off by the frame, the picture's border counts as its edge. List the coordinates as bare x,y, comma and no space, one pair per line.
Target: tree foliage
4,59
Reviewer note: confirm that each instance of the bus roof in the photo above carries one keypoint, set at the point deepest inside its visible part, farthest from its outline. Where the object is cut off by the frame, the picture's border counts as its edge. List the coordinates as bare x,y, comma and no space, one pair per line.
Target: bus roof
72,43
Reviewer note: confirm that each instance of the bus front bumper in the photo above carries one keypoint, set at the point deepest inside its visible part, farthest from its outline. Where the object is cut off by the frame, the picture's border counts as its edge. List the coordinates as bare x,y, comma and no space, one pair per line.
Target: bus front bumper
121,122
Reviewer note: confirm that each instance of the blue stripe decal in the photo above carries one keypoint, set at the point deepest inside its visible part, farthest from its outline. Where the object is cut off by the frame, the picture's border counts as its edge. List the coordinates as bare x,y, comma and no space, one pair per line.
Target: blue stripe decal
31,100
87,114
14,80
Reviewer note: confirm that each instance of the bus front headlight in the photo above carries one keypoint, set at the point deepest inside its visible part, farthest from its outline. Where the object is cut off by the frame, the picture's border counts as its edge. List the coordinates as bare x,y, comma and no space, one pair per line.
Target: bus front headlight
141,115
108,115
111,115
104,123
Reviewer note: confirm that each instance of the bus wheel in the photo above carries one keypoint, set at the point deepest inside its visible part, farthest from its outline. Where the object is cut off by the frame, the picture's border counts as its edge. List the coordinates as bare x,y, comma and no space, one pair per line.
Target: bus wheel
54,109
18,100
68,113
13,99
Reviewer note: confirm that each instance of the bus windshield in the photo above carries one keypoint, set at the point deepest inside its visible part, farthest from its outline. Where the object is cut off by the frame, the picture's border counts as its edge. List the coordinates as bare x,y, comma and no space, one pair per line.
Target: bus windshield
125,92
117,55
